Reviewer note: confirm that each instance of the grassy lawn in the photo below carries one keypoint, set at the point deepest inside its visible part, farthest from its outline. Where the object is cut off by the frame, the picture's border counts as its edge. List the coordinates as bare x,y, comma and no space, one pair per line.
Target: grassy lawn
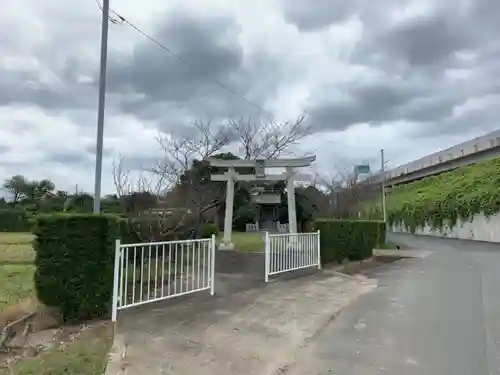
15,248
17,284
15,238
247,242
86,355
16,275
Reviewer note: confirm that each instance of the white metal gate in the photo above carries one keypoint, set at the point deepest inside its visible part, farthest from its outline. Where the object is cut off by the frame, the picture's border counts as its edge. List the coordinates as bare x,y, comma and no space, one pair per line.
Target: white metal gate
149,272
287,252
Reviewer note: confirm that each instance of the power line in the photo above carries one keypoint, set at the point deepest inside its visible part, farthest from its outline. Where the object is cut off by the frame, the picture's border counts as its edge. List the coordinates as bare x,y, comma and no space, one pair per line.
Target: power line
122,20
113,20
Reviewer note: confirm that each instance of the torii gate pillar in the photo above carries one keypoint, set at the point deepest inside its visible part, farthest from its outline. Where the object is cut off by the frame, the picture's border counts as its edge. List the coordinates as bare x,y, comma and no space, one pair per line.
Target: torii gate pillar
290,194
227,243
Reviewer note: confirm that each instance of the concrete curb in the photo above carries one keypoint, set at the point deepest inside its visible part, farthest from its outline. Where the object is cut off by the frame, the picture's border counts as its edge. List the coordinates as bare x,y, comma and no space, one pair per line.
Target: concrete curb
117,362
401,253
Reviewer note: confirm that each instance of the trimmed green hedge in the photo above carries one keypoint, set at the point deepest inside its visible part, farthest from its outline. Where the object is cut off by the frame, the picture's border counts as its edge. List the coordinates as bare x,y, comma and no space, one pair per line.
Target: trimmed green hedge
349,239
13,220
74,263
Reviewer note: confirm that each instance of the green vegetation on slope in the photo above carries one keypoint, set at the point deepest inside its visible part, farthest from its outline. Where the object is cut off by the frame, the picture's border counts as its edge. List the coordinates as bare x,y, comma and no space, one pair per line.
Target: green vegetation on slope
445,198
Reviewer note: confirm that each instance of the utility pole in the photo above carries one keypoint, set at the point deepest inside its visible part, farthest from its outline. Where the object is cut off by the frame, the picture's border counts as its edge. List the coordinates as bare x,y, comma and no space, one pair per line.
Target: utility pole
382,159
101,105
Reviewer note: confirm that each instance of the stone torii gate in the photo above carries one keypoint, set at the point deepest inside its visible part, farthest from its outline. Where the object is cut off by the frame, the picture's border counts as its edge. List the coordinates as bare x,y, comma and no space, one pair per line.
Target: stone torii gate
260,166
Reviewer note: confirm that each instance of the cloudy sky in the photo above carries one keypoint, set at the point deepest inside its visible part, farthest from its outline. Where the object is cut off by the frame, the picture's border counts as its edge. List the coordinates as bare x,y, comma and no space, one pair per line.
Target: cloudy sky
407,76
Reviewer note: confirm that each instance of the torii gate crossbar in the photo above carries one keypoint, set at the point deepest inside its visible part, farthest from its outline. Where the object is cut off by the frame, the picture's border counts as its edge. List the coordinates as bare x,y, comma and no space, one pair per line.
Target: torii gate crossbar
231,176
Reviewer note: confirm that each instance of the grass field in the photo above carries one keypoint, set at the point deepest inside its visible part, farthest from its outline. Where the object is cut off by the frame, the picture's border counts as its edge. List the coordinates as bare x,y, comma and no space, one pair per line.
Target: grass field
247,242
16,269
16,248
86,355
17,284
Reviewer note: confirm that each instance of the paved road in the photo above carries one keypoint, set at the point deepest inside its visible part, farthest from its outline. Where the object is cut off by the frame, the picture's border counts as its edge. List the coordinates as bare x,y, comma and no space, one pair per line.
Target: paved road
439,315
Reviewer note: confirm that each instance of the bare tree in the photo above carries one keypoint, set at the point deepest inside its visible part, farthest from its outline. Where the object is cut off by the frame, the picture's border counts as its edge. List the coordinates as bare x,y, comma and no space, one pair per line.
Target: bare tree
182,188
190,184
346,193
141,199
181,177
180,152
268,139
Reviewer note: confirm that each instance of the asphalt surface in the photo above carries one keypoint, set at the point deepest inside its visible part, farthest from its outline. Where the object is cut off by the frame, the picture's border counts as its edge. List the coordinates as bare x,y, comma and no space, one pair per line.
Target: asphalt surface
438,315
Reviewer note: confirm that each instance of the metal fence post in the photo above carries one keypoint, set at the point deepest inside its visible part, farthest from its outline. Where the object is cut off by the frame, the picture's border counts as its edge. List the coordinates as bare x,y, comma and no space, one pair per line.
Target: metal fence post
319,250
212,266
267,249
116,276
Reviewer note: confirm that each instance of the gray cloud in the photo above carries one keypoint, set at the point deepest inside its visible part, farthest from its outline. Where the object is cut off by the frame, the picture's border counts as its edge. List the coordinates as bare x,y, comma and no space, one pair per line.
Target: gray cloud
417,58
476,121
48,50
66,157
375,102
314,15
426,41
47,89
153,76
419,70
156,86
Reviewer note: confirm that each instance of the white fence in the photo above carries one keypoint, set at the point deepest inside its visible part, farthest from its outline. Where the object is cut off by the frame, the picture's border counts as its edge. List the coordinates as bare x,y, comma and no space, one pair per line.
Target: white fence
149,272
290,252
282,228
252,227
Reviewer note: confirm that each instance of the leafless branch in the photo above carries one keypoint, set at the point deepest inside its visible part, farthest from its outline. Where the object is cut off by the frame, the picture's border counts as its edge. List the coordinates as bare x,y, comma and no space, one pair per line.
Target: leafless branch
179,152
347,195
268,139
132,191
121,177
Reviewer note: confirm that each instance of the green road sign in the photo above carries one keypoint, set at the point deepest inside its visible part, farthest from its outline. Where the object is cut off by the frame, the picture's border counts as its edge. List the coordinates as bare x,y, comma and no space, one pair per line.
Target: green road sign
362,169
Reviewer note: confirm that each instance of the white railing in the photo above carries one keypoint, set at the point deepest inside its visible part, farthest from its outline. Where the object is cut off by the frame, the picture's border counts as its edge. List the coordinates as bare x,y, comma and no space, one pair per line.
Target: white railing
252,227
290,252
149,272
282,228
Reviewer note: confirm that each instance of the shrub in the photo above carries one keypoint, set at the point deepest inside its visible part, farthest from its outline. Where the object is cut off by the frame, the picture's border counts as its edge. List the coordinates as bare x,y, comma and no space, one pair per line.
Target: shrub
74,263
208,230
14,220
244,215
349,239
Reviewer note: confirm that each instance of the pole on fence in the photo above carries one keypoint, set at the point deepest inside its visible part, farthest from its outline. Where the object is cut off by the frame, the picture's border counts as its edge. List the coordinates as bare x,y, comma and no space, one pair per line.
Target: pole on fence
116,276
319,251
212,266
267,250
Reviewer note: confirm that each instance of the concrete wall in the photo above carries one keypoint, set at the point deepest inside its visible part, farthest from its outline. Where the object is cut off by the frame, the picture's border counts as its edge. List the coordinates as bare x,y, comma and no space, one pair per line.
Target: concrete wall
488,141
480,228
447,165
